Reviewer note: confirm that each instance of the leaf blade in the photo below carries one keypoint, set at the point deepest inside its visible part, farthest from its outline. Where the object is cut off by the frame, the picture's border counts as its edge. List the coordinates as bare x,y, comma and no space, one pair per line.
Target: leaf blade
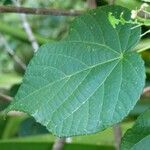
66,84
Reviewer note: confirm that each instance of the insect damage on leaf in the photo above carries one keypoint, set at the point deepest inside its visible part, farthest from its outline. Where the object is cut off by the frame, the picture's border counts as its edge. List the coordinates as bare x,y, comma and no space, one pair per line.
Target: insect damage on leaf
115,21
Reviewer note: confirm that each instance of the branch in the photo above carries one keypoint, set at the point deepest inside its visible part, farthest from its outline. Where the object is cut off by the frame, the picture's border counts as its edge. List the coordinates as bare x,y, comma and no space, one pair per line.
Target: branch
52,11
39,11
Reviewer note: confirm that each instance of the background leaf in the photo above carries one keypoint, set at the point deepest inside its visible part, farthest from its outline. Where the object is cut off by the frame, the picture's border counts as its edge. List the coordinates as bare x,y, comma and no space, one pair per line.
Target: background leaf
87,82
138,137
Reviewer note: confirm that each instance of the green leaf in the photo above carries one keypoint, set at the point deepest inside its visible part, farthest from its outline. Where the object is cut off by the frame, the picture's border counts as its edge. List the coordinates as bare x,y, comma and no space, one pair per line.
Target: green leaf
87,82
138,137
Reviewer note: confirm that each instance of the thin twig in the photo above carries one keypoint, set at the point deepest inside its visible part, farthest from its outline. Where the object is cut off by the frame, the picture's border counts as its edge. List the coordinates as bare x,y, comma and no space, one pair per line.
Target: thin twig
117,135
39,11
15,113
27,28
59,144
91,4
11,52
29,32
6,97
146,92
